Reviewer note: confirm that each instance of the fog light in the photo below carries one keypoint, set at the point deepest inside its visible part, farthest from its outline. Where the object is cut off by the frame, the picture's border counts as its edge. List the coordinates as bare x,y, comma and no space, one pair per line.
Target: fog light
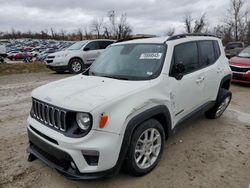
91,157
72,164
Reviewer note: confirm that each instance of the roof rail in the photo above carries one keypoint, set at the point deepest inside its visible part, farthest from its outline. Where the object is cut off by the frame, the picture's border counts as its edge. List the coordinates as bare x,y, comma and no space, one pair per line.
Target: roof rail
132,38
174,37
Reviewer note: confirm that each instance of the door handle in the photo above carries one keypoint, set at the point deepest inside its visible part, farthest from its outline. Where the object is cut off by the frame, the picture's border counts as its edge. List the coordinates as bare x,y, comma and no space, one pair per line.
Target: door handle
200,79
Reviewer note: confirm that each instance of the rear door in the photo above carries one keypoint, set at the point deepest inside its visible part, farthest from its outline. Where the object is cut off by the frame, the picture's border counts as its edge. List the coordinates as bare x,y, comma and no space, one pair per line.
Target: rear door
91,52
211,65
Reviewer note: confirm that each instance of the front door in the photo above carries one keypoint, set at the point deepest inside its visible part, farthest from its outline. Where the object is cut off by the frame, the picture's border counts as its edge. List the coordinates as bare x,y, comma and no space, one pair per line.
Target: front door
187,91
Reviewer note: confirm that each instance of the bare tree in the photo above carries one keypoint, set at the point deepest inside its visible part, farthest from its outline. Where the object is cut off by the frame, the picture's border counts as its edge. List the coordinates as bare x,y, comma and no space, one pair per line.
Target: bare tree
97,25
170,31
188,23
194,25
118,26
199,24
124,30
236,18
248,33
79,34
87,34
106,33
112,22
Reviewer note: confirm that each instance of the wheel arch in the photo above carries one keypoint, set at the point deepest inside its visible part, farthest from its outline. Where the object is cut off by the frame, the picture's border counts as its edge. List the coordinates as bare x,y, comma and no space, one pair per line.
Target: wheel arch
76,57
160,113
226,82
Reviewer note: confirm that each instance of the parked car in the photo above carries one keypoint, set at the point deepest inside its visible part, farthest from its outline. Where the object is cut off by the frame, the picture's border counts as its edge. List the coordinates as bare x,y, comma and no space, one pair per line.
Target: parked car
78,56
233,48
240,66
44,54
18,55
124,107
3,53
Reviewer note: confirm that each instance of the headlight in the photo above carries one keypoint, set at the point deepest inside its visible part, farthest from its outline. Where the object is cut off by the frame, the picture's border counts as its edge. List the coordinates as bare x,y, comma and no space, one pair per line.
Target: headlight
83,120
62,55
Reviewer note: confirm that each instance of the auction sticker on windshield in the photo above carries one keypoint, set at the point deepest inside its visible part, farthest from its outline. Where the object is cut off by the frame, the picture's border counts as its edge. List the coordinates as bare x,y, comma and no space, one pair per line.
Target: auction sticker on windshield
151,56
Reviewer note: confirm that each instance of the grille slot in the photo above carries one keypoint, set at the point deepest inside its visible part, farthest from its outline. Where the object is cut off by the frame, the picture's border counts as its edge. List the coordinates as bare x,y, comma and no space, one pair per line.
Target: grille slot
239,69
49,115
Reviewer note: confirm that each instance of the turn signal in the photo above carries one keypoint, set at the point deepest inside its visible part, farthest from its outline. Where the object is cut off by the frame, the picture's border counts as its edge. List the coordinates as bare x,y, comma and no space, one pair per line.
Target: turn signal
103,121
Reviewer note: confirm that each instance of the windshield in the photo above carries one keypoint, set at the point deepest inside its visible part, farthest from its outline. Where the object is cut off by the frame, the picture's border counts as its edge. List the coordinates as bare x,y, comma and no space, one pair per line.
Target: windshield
130,61
77,45
245,53
231,46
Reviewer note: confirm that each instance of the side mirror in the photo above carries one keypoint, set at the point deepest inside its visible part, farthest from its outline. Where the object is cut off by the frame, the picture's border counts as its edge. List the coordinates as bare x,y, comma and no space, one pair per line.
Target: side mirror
86,49
179,69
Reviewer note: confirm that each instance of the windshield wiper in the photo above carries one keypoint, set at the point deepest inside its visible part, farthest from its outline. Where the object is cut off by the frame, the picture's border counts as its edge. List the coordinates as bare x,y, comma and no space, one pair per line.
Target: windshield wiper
116,77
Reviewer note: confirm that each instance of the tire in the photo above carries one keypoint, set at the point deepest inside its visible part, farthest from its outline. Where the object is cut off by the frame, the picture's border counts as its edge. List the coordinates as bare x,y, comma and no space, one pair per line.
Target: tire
76,66
137,168
222,102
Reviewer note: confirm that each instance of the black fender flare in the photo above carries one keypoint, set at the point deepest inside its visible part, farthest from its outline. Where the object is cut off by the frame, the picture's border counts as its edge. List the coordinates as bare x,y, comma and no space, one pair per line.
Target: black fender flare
137,120
225,78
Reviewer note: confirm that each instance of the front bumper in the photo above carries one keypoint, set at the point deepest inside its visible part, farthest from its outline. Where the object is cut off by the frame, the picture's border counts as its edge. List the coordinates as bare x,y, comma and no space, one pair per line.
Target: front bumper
60,160
241,77
44,140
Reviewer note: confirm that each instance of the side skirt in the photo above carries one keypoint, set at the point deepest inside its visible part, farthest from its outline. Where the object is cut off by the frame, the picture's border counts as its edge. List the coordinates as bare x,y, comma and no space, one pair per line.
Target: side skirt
193,115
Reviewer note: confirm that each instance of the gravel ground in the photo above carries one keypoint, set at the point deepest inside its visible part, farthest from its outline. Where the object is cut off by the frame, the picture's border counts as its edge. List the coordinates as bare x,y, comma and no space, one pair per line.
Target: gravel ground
206,153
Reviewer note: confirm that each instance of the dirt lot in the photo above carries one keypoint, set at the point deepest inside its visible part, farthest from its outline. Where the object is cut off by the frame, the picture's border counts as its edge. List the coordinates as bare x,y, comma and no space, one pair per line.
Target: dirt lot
206,153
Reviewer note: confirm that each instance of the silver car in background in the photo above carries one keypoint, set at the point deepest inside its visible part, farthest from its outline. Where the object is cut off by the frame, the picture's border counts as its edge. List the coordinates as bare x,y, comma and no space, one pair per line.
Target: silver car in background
77,57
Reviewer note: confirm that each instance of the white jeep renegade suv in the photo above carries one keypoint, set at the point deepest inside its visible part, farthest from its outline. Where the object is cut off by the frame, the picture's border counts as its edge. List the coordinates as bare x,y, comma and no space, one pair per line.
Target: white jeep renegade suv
124,107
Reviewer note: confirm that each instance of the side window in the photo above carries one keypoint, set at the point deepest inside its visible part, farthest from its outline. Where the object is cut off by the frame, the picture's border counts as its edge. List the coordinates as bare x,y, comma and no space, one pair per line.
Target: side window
105,44
92,46
207,53
217,49
186,54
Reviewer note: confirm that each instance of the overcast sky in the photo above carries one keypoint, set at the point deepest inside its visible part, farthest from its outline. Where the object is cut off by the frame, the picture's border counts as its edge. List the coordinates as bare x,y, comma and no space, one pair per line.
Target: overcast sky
145,16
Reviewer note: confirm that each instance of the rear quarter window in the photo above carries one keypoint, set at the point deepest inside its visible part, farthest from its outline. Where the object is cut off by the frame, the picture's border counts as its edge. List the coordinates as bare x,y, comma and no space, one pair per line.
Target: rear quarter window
207,53
217,49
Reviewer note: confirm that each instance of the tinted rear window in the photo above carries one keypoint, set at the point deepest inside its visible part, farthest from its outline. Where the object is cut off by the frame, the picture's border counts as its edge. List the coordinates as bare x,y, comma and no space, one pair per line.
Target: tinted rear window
217,49
207,51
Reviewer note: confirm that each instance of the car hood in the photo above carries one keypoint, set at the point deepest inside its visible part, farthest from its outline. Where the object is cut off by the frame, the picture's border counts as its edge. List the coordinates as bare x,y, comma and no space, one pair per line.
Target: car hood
239,61
60,53
84,93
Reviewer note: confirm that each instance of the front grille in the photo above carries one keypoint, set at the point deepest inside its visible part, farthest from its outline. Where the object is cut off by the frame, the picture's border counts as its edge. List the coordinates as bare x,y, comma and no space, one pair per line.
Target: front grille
49,115
49,61
239,77
239,69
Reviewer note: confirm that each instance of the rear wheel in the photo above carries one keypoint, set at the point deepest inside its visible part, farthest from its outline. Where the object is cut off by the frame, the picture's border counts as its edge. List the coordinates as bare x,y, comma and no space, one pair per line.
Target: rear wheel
146,148
222,102
76,66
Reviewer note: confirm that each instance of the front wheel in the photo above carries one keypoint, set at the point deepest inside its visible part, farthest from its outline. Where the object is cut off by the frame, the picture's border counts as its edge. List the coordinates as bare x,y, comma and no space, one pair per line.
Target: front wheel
76,66
222,102
146,148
